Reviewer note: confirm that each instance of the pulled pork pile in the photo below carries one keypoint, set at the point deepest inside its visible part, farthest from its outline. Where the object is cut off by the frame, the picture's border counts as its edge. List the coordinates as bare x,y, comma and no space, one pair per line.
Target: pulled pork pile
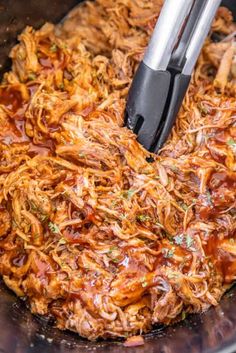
91,232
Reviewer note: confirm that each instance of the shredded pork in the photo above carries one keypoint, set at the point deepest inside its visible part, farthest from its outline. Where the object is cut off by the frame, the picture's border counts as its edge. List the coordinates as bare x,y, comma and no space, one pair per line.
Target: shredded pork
93,232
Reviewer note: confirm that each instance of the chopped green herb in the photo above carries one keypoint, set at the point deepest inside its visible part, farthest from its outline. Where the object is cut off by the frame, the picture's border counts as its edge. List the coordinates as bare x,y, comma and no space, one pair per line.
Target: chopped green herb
208,136
183,315
209,197
53,228
114,203
53,48
32,206
183,206
64,46
169,237
63,264
66,195
62,86
203,110
167,253
143,218
189,241
143,282
115,260
32,76
231,142
127,194
81,155
231,240
210,264
178,239
43,217
113,248
62,241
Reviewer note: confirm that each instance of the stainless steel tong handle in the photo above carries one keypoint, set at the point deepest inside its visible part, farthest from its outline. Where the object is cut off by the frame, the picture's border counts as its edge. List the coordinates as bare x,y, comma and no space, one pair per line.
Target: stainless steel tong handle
201,31
166,32
168,28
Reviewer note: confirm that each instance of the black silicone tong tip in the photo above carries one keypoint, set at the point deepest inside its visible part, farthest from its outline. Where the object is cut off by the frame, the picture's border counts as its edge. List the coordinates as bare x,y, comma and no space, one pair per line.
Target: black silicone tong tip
154,100
180,86
147,97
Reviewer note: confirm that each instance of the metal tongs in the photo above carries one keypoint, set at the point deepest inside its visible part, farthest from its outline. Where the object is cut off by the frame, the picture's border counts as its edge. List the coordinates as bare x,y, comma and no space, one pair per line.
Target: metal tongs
162,79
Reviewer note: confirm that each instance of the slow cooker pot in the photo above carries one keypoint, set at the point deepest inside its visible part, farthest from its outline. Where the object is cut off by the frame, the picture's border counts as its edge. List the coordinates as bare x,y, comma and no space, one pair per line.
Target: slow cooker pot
20,331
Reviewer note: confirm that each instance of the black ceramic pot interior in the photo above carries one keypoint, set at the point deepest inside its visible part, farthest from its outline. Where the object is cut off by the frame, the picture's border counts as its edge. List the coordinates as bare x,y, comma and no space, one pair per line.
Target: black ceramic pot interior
21,332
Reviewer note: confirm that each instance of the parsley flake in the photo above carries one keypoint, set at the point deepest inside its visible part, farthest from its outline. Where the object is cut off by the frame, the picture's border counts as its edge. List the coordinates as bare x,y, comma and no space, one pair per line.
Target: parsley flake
62,241
203,109
159,225
189,241
81,155
113,248
231,142
32,206
53,48
32,76
53,228
183,315
208,194
43,217
178,239
143,218
127,194
144,282
167,253
183,206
